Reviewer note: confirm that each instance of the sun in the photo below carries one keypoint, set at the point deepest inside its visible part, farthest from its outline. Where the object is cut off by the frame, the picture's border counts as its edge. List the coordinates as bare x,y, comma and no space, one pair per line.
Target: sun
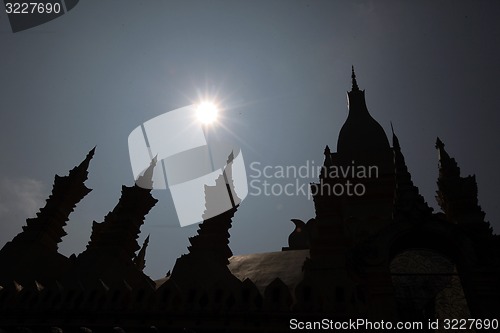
207,112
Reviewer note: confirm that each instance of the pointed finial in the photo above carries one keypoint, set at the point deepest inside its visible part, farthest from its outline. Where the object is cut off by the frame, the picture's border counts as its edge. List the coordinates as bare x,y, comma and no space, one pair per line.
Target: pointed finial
146,180
439,143
328,161
85,163
91,152
445,161
354,83
395,140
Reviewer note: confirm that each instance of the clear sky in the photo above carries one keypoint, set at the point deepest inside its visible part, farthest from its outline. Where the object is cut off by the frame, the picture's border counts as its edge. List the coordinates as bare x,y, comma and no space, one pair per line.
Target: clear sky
280,69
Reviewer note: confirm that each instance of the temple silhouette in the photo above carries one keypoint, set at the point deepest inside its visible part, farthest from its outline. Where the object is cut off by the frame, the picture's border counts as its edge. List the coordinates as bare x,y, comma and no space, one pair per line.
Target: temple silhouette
382,254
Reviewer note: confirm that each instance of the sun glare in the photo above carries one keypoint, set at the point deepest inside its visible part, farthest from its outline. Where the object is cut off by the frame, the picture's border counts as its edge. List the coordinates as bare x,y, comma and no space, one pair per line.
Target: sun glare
206,112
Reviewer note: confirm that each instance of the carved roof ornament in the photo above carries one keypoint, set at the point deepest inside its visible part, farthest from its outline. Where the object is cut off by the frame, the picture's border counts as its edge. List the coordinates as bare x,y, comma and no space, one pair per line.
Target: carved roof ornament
140,260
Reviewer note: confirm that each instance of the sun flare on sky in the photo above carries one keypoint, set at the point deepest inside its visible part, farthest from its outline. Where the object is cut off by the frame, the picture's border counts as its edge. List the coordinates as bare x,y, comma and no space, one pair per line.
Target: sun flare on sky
206,113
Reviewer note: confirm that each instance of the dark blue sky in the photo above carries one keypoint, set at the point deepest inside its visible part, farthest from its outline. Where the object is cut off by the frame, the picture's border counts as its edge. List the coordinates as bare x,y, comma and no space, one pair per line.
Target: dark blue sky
280,69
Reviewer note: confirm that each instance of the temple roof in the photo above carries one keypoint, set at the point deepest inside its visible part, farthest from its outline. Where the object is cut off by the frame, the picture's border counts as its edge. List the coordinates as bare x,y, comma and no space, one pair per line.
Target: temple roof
263,268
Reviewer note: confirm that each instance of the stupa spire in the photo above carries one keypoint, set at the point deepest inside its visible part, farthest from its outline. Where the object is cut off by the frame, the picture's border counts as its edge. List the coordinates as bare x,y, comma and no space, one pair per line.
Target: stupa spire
354,82
360,133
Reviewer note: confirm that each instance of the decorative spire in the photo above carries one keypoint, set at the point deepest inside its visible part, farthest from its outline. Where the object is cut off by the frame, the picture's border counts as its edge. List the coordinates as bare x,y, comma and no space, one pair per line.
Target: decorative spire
121,227
439,143
67,191
213,234
140,260
448,167
395,140
146,180
456,195
229,183
327,163
409,205
354,83
83,167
